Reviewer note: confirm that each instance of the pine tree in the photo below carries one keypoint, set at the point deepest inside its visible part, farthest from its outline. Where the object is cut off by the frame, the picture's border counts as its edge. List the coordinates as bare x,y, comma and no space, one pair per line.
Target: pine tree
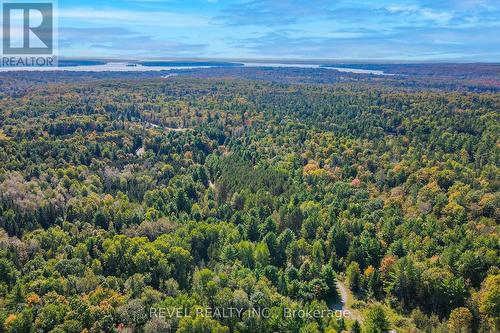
376,321
355,328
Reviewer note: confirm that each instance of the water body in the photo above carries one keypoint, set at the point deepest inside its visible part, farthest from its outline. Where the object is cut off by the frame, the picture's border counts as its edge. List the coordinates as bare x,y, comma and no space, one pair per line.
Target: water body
108,67
358,70
188,64
137,67
279,65
346,70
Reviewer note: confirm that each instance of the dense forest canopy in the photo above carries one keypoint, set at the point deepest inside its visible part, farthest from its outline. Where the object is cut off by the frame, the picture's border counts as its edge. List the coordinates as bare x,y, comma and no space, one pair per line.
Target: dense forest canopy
122,196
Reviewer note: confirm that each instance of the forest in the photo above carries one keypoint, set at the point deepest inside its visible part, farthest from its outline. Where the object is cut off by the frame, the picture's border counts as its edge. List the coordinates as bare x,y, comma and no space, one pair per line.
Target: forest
129,196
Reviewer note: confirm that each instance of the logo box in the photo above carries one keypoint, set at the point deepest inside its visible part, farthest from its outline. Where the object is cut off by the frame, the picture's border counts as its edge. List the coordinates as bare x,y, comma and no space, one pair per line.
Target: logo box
28,33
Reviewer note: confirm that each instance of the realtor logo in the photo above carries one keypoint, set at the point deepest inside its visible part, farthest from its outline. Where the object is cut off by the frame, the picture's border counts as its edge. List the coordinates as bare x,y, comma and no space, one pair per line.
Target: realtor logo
28,29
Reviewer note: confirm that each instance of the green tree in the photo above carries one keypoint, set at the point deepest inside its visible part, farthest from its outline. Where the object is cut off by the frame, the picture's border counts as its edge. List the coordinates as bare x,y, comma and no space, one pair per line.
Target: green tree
355,328
262,255
376,320
200,325
181,261
310,328
329,277
460,321
353,276
20,323
404,281
489,300
8,273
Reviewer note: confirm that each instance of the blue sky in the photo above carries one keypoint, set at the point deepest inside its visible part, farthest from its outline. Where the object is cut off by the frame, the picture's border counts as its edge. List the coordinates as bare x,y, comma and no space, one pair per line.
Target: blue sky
413,30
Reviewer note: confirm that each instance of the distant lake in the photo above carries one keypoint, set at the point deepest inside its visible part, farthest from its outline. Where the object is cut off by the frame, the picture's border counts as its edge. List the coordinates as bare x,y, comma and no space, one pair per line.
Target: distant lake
357,70
187,64
107,67
278,65
90,66
347,70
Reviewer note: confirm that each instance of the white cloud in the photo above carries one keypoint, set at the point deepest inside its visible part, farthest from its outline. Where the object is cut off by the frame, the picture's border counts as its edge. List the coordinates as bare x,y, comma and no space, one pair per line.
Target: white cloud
424,13
126,17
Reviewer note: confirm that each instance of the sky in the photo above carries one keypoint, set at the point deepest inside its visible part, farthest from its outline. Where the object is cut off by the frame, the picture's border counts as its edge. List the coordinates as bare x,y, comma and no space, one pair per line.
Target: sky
410,30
